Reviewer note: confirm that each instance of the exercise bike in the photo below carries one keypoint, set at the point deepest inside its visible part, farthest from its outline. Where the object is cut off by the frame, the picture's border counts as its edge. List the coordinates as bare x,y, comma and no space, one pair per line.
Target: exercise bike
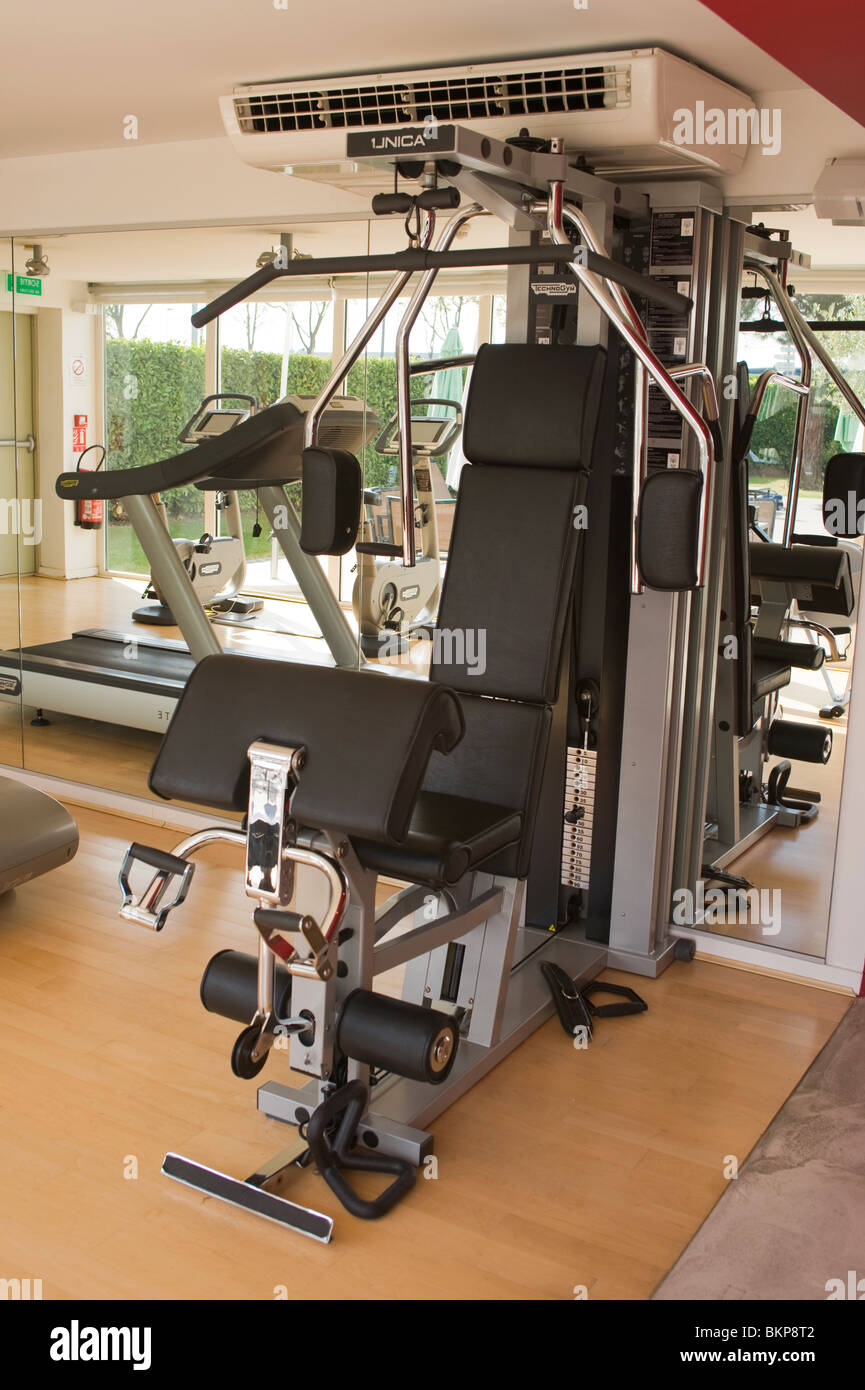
216,565
392,603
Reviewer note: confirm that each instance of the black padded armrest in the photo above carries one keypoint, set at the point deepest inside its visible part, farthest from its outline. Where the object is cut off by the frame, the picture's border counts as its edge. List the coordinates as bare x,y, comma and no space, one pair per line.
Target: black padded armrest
368,739
802,655
809,564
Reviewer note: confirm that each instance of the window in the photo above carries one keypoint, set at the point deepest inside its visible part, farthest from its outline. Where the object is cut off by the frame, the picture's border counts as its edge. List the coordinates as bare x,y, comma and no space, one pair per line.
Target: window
154,380
831,426
271,350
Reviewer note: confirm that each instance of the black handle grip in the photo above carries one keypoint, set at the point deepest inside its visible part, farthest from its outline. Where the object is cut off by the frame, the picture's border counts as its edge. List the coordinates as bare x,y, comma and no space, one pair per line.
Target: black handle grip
379,548
439,198
272,917
158,858
635,1004
384,203
717,439
332,1155
467,258
235,295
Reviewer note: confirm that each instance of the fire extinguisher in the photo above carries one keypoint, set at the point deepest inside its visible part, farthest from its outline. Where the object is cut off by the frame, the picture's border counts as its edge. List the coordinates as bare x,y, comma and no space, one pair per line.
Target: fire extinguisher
90,512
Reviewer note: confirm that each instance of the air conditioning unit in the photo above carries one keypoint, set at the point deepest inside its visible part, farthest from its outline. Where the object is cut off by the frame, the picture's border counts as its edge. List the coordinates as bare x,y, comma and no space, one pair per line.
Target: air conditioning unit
638,111
840,192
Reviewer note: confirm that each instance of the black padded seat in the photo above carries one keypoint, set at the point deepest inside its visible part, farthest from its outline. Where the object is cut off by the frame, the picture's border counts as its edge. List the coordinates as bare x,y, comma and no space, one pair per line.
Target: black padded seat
767,676
447,836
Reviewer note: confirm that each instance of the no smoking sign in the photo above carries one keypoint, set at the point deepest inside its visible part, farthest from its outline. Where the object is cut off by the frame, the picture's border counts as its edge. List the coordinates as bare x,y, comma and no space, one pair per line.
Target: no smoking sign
79,368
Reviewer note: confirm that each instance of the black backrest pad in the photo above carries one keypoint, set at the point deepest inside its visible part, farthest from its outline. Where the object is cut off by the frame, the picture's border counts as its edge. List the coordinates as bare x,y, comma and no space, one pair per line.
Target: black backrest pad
368,738
508,581
535,406
530,426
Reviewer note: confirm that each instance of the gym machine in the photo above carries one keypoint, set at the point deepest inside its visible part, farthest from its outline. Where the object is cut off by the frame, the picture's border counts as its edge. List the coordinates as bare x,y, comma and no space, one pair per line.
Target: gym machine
772,593
216,565
390,605
468,797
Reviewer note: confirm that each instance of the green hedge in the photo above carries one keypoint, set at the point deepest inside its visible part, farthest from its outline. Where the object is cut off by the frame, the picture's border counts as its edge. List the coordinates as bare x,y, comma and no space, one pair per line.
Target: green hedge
151,390
774,435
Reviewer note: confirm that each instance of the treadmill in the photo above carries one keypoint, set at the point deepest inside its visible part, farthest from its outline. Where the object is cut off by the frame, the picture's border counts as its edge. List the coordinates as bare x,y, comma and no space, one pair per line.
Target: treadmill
135,679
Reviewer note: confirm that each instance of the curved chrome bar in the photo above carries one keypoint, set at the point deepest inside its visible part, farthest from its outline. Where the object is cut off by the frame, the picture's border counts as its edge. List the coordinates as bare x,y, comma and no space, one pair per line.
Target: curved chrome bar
766,380
403,377
206,837
336,881
799,332
359,342
575,216
148,910
599,291
710,393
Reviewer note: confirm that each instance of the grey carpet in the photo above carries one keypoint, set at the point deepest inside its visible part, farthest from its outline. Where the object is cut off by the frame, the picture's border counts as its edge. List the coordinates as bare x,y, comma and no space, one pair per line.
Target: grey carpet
795,1217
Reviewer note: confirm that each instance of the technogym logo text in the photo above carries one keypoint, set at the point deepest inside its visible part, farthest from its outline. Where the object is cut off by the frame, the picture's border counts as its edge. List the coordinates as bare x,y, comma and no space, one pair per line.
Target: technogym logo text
77,1343
737,126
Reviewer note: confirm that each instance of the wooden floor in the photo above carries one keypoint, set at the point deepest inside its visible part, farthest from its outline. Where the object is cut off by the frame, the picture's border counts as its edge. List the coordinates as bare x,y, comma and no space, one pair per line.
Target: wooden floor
799,864
561,1168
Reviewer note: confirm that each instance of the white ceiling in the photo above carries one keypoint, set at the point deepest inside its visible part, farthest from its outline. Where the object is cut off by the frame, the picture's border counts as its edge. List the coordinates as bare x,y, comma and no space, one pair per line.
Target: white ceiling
70,76
204,254
168,63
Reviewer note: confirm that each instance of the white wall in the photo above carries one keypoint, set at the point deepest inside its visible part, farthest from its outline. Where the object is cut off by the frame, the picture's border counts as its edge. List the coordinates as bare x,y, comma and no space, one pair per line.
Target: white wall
846,945
63,331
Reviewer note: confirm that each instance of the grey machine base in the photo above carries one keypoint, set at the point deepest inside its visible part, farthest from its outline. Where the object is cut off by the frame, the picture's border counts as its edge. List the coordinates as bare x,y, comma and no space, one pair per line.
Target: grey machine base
754,823
401,1109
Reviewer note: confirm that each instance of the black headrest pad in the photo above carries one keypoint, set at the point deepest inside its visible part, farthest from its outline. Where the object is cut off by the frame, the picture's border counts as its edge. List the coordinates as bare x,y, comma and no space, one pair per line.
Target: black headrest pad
533,405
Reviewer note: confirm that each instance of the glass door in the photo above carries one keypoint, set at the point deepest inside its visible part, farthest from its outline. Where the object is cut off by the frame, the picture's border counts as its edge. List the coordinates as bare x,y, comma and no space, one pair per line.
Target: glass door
15,425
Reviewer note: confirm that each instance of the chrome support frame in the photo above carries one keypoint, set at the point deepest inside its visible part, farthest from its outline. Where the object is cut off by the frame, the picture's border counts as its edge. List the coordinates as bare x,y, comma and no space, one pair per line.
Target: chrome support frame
403,378
796,327
359,342
621,313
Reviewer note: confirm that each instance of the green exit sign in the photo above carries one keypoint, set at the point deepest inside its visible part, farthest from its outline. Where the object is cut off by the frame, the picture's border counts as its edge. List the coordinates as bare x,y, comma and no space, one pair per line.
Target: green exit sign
24,284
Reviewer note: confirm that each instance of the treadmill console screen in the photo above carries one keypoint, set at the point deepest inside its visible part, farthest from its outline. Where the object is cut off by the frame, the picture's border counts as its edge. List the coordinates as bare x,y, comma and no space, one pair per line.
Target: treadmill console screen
219,422
429,429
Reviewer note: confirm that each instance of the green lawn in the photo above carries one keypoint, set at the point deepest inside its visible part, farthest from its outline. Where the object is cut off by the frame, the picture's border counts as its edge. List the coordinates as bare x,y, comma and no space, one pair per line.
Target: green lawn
125,553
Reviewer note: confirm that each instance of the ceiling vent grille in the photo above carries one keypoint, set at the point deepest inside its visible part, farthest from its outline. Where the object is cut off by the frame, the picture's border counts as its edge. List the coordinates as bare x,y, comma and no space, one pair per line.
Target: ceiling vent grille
479,96
620,110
